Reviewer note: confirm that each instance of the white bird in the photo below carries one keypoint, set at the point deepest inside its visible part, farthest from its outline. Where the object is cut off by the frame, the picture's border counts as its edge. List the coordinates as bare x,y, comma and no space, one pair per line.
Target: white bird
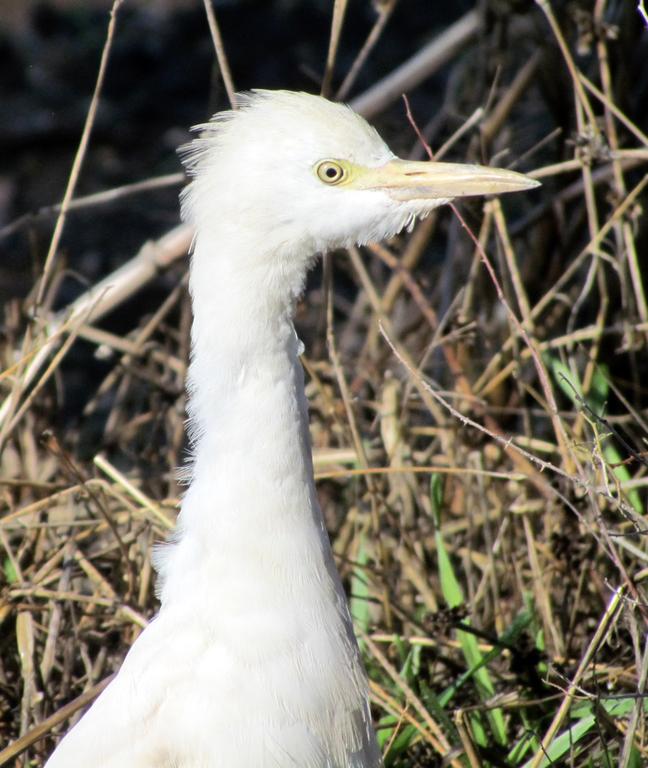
252,661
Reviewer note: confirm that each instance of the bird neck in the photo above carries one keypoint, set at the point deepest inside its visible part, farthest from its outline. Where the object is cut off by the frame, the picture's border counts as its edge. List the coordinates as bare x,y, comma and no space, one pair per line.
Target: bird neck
252,497
246,393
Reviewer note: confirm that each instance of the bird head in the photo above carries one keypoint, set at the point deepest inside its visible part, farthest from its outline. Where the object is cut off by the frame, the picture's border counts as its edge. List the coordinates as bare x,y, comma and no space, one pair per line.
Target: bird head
307,175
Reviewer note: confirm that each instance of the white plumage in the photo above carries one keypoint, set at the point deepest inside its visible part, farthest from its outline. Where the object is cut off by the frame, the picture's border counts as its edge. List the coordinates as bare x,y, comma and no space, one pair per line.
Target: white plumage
252,661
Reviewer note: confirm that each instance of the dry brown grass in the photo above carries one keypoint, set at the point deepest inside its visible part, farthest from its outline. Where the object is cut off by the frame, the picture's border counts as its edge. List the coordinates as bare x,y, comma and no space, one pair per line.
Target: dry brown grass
479,415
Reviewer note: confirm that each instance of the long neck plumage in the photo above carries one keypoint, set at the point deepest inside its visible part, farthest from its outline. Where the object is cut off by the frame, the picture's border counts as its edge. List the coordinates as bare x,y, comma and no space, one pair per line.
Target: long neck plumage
252,496
253,559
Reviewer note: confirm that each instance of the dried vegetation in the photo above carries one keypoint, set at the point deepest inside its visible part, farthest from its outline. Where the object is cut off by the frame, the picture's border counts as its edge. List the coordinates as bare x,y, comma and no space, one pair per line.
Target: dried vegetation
479,413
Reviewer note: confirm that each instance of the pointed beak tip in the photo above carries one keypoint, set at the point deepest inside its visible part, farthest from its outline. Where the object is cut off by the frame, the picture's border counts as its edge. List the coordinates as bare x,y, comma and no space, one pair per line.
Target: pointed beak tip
516,182
532,183
512,181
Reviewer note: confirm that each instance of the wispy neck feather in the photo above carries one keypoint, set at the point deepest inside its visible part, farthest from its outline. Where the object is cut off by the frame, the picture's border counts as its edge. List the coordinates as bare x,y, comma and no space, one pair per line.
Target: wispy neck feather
248,423
242,330
253,557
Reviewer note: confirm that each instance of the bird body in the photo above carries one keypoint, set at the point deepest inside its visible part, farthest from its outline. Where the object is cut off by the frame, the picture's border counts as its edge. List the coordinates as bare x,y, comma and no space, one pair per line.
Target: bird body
252,660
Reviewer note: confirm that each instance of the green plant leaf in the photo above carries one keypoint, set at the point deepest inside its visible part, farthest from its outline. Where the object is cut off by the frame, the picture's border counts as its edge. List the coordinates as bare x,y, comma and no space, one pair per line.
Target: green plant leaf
453,595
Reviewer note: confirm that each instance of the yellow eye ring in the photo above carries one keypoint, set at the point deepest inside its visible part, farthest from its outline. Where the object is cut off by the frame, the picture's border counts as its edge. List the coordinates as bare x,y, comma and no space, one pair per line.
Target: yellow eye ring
330,172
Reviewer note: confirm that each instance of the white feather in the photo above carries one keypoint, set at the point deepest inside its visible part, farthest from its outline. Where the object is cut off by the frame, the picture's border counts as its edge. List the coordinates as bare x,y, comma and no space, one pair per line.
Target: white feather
252,661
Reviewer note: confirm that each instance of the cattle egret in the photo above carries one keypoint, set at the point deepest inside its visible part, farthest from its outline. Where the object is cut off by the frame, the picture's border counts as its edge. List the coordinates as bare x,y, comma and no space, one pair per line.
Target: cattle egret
252,661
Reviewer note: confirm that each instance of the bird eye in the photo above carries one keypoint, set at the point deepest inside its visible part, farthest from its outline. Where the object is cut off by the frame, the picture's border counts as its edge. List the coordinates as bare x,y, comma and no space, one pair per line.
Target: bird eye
330,172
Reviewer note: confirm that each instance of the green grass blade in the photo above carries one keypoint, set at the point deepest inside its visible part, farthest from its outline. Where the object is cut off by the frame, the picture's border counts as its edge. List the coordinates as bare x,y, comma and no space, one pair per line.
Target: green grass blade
587,720
359,601
596,401
453,595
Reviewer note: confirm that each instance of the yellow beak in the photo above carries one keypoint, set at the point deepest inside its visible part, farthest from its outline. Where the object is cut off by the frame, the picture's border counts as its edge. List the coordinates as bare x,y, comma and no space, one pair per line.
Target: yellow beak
409,180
